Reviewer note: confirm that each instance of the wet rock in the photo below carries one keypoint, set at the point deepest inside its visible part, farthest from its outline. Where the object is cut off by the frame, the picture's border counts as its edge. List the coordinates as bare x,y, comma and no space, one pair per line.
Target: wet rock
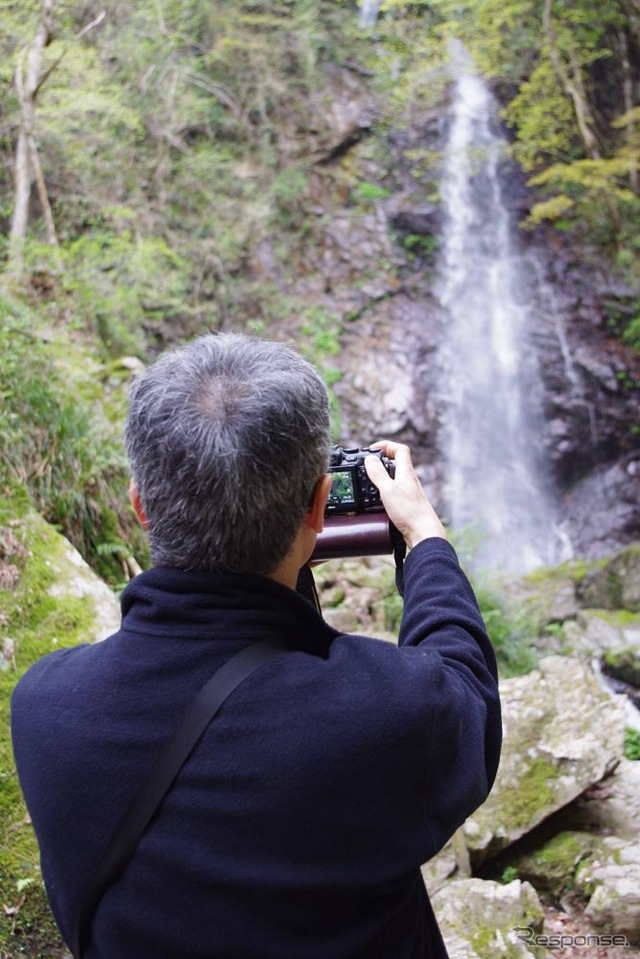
562,733
601,511
380,378
481,920
596,368
417,222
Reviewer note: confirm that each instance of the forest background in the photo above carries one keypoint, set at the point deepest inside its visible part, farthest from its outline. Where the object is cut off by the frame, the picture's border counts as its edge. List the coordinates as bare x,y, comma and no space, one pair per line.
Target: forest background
148,150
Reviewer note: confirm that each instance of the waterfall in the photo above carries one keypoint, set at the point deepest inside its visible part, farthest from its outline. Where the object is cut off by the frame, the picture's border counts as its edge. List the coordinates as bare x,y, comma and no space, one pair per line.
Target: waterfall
495,482
369,10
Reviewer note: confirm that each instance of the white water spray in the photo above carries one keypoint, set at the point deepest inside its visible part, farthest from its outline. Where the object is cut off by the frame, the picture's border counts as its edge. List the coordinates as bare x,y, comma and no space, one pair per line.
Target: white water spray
495,482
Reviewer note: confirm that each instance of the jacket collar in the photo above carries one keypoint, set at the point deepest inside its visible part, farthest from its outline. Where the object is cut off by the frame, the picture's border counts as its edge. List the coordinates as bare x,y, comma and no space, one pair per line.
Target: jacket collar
193,604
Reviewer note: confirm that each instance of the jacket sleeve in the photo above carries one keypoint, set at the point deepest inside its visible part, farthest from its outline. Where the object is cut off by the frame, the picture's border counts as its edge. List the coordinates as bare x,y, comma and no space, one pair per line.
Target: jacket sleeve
463,721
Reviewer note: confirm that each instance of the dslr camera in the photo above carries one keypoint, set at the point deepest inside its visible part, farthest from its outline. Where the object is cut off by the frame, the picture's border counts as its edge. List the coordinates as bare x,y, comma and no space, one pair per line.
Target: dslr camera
352,492
355,521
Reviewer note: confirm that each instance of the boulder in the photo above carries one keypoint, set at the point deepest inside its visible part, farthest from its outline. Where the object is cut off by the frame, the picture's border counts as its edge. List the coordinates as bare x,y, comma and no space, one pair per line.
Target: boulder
613,880
73,577
483,920
562,734
601,510
613,807
547,595
440,868
623,663
598,631
613,583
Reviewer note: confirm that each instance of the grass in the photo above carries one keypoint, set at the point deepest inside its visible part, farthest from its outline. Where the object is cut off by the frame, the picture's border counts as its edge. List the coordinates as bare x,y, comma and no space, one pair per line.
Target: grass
57,443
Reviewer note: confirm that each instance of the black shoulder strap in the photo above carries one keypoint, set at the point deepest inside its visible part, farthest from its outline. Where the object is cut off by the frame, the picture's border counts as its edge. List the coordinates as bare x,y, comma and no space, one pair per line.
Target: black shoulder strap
163,772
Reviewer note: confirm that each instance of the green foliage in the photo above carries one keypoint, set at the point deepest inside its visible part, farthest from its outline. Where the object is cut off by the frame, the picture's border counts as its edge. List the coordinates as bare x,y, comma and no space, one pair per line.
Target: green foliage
598,197
553,209
631,334
419,244
364,191
184,113
407,60
119,281
53,442
319,341
632,743
542,115
510,631
502,36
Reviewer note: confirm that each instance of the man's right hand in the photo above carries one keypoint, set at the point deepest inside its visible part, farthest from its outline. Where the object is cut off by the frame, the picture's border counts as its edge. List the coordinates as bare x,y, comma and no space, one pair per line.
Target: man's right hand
403,498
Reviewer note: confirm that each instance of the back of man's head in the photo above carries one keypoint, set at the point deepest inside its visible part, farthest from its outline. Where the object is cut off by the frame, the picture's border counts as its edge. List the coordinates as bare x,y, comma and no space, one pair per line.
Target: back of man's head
226,439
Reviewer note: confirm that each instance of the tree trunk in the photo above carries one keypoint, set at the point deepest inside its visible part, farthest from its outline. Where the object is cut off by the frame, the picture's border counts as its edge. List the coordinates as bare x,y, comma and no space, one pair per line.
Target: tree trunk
20,216
27,162
572,86
627,94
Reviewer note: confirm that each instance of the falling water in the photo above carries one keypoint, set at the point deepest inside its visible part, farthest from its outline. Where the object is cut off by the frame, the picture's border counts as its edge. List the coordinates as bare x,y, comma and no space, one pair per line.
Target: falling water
369,10
495,481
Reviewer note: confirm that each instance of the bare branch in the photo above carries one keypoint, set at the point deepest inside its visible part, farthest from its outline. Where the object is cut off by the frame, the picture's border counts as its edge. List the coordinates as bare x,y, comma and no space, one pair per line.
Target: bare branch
216,90
94,23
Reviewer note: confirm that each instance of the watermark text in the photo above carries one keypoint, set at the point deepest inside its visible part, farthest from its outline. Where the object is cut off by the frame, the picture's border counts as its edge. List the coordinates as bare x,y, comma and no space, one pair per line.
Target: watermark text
565,940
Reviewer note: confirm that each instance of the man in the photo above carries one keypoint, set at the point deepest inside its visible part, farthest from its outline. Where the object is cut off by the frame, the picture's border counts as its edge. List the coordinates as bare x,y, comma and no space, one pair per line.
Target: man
297,827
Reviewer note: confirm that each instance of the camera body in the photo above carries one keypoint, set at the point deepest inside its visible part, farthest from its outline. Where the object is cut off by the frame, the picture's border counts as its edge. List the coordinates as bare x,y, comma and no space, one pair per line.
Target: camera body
352,492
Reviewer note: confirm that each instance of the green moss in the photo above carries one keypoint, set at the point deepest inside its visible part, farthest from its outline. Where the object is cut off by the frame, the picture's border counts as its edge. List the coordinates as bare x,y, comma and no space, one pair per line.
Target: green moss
632,744
488,944
33,624
564,850
519,804
620,618
552,868
576,569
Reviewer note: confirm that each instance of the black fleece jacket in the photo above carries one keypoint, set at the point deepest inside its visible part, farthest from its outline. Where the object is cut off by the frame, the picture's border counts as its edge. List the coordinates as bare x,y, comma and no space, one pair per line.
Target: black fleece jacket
297,827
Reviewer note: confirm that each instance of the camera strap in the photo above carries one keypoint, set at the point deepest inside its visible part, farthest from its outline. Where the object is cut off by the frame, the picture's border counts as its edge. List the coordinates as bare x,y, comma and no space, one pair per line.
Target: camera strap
166,767
399,553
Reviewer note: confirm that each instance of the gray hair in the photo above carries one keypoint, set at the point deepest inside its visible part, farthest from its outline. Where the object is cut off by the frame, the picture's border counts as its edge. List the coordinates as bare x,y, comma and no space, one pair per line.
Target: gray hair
227,438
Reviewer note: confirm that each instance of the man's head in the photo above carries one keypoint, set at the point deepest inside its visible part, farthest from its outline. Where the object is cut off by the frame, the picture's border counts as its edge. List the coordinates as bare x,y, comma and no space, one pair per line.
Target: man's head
227,438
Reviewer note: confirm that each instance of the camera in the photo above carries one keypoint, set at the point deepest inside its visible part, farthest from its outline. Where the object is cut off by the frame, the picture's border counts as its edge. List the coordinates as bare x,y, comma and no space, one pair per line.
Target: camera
352,492
355,521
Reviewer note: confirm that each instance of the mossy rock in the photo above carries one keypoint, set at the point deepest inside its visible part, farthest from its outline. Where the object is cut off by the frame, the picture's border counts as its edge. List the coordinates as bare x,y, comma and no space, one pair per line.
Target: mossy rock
553,595
480,919
49,598
562,734
551,869
623,663
614,583
596,631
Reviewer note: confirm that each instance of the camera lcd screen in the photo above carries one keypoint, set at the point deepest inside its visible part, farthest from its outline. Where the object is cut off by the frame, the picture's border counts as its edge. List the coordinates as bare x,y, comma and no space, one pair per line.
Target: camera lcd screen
342,491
